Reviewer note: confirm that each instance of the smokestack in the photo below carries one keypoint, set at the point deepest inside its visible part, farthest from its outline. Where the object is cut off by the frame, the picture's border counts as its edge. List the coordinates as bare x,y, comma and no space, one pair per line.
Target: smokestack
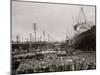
34,25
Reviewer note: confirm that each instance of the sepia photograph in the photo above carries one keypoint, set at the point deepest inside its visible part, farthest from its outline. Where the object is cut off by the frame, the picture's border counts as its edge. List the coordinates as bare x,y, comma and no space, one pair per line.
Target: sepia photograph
52,37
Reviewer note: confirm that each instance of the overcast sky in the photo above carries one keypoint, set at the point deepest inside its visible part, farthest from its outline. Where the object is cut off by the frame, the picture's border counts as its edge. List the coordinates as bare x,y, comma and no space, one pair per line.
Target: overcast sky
55,19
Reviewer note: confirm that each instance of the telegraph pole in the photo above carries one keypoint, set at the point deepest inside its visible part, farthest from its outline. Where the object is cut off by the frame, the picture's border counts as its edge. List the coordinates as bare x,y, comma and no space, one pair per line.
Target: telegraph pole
30,46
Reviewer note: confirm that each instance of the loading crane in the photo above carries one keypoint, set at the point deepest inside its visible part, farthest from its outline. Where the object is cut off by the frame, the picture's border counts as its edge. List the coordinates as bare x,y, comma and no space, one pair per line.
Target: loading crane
82,24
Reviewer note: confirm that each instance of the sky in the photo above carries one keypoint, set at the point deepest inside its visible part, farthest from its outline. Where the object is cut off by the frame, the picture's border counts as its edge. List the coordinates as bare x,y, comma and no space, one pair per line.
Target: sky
57,20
